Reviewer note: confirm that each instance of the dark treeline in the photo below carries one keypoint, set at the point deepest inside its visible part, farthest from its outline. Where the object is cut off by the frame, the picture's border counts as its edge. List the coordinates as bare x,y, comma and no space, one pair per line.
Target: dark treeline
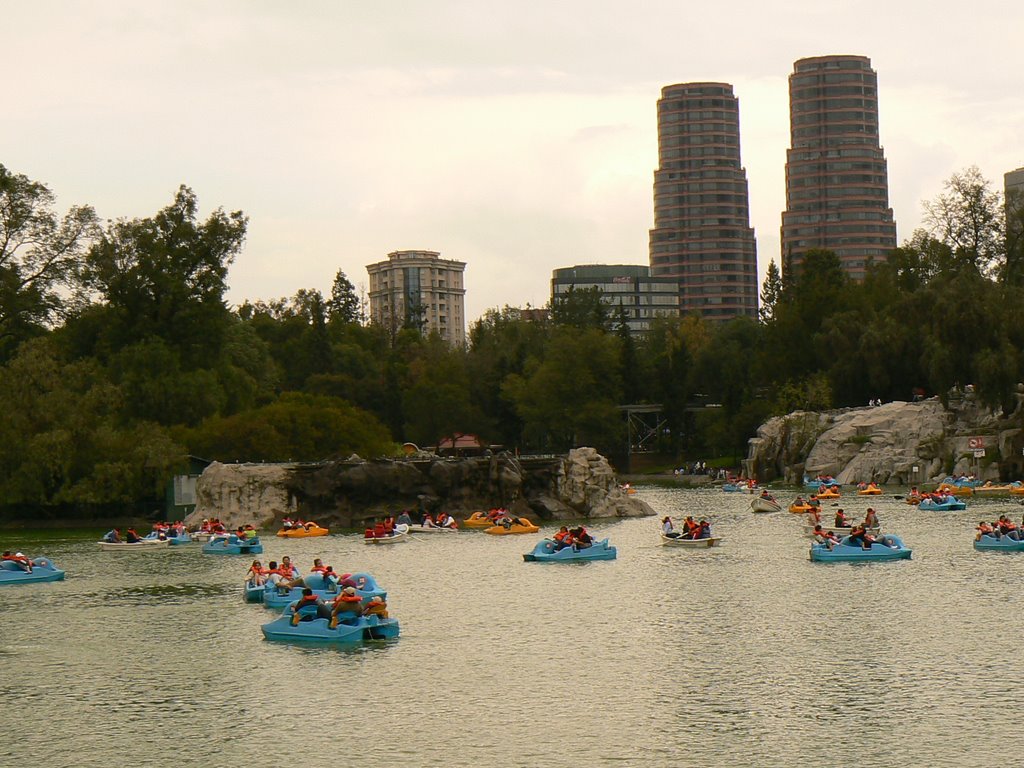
119,355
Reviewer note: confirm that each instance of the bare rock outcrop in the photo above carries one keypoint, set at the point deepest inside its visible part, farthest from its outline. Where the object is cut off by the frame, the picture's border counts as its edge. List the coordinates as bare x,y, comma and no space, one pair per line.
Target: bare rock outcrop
897,442
351,493
243,493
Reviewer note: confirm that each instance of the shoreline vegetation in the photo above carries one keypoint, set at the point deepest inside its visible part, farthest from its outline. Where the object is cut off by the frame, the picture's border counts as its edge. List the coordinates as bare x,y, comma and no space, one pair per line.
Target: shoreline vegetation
120,357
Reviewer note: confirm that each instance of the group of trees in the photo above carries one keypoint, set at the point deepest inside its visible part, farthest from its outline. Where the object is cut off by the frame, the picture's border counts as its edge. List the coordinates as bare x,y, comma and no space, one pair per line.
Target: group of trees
119,355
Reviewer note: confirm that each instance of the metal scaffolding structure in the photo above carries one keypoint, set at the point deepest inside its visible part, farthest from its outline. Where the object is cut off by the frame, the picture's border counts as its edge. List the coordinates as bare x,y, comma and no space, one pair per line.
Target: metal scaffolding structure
644,424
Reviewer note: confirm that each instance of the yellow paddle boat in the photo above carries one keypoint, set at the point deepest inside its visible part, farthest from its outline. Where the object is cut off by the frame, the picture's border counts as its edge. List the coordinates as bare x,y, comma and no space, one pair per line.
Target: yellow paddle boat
800,508
1018,491
521,525
870,490
303,531
955,490
828,493
478,520
990,487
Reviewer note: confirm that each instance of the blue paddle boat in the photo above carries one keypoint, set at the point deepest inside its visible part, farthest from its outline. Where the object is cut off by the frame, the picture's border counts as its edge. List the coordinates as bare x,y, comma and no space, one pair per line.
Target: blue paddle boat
817,484
277,599
731,488
253,593
1000,543
184,538
42,570
311,629
546,552
232,545
951,504
887,547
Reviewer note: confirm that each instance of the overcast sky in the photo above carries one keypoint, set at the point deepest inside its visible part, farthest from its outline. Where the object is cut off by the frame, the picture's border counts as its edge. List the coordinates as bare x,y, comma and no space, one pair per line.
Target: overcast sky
517,137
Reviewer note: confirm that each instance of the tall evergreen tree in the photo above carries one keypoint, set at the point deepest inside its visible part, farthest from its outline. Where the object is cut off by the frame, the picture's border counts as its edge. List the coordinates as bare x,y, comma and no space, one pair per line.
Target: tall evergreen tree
771,293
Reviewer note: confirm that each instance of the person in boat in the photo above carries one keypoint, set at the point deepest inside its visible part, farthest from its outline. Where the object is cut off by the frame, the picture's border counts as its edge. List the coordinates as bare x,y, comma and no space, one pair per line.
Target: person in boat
287,523
859,536
273,574
256,575
249,532
348,580
799,502
1008,528
376,607
449,521
563,538
703,530
345,606
825,537
113,536
132,537
581,539
308,600
984,529
871,519
19,559
507,522
389,525
330,578
404,518
766,495
815,514
288,569
841,520
428,521
669,529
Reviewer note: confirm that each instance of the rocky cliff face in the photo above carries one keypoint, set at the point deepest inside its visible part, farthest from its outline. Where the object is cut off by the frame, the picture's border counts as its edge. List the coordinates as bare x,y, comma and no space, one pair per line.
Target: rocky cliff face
350,494
885,443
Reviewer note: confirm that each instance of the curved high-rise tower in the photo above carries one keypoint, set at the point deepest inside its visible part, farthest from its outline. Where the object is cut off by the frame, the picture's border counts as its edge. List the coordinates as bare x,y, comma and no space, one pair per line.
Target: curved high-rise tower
837,184
702,233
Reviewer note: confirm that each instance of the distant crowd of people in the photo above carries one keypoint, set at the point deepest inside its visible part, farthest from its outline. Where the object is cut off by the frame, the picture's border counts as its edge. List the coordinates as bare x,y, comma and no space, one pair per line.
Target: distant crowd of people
701,468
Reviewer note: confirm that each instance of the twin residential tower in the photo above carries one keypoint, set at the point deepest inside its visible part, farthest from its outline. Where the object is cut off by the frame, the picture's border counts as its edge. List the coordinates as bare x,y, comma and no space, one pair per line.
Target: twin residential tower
836,184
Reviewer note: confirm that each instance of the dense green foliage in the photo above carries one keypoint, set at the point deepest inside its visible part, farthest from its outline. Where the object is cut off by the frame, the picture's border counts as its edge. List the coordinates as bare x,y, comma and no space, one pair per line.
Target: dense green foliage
119,356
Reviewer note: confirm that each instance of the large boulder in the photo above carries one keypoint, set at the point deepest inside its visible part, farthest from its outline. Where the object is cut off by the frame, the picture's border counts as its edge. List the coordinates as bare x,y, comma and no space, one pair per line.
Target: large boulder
588,487
897,442
243,493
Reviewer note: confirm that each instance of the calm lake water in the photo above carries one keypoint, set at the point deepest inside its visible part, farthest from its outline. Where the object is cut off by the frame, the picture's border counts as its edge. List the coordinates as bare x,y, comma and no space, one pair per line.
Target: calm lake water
746,655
